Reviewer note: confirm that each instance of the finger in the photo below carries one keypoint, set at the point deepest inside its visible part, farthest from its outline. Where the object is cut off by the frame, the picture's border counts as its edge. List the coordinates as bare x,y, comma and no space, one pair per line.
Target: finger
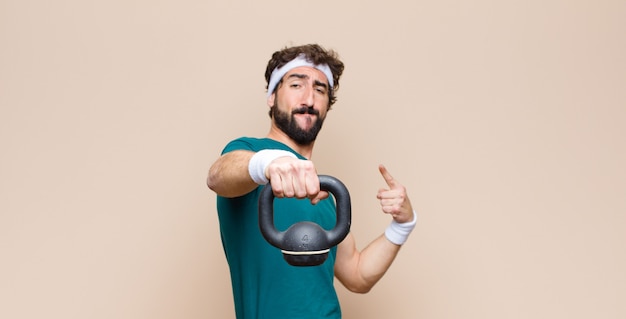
312,185
300,185
386,193
391,182
388,210
393,193
289,184
288,187
320,196
277,185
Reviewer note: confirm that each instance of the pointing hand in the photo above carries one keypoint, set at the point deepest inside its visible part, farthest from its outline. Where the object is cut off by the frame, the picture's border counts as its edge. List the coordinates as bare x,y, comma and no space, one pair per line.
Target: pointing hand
394,200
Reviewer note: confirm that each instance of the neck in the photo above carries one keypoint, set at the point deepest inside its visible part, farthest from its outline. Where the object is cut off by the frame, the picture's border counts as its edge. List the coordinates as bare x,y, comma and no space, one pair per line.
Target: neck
278,135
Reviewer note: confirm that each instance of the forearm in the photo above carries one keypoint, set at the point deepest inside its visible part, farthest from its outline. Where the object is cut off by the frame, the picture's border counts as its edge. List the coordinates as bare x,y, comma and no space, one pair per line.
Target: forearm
229,176
375,260
359,271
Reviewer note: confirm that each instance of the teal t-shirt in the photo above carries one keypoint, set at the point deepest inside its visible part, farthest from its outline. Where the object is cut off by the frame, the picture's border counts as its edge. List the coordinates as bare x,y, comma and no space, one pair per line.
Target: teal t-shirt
264,285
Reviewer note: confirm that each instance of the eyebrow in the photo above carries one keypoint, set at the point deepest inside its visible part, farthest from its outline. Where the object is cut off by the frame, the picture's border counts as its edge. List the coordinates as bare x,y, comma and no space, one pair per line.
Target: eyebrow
304,76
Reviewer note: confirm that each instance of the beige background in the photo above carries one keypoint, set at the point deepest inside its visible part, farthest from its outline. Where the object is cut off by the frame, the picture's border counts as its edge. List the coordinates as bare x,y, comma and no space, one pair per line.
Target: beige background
505,120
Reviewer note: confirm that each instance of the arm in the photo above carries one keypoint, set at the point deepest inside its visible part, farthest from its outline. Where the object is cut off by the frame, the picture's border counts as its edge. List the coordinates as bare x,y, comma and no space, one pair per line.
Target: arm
230,175
359,271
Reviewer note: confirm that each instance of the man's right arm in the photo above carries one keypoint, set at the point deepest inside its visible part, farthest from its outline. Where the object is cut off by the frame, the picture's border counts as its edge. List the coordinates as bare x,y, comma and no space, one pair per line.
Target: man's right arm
229,177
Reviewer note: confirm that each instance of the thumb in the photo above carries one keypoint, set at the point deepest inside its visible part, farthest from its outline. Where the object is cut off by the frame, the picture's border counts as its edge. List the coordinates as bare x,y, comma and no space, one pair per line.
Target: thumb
320,196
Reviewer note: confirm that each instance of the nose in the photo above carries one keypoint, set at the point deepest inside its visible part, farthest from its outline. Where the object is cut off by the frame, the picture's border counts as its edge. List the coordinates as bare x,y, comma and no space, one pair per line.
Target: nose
308,97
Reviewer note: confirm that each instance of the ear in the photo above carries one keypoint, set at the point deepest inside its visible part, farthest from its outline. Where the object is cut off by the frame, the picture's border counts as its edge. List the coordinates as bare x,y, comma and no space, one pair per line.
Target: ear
270,99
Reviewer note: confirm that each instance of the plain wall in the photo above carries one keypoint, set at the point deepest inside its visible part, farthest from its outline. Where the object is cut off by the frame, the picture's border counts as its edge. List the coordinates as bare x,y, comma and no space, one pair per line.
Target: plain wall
504,119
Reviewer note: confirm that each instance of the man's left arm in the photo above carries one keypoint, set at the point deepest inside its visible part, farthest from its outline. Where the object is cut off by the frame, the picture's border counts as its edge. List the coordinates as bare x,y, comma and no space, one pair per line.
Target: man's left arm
358,270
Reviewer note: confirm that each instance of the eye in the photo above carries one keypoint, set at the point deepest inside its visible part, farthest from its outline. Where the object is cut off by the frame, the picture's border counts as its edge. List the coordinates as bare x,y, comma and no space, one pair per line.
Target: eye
320,90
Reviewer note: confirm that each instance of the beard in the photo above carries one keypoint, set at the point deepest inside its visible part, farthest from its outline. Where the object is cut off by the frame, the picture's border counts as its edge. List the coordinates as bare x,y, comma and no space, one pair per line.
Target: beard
287,123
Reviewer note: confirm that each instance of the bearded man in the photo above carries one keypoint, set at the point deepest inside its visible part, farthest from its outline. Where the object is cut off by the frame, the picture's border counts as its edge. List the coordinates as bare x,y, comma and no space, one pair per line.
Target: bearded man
301,86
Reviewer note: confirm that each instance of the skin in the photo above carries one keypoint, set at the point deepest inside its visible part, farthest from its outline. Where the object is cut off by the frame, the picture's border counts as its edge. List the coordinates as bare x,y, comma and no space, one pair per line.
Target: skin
301,87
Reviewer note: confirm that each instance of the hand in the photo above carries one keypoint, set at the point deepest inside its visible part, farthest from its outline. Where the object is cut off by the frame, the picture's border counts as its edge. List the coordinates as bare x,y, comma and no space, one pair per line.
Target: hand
394,201
291,177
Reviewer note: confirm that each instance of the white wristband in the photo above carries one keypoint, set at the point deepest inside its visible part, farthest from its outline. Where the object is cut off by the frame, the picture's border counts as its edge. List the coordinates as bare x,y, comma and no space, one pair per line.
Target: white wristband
398,233
259,161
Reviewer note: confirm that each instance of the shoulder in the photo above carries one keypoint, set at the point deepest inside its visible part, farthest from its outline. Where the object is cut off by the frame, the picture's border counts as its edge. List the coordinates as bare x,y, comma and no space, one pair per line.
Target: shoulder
242,143
254,144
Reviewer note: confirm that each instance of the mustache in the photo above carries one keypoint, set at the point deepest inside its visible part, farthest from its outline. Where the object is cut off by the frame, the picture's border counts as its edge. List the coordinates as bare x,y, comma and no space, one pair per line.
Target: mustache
306,110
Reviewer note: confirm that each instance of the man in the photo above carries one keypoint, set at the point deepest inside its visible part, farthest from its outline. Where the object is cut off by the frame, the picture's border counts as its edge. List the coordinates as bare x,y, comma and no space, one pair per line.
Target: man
302,82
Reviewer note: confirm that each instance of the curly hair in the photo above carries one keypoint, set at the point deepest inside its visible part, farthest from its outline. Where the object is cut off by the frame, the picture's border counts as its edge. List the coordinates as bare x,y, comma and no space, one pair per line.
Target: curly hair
315,54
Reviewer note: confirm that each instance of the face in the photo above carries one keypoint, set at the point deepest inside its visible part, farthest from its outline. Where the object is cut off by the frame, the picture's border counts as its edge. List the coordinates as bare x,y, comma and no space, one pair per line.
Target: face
300,103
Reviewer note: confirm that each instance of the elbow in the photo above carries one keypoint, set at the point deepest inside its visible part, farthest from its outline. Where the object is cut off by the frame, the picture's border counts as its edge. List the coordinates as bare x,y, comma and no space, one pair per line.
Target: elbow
211,180
219,186
210,185
361,290
362,287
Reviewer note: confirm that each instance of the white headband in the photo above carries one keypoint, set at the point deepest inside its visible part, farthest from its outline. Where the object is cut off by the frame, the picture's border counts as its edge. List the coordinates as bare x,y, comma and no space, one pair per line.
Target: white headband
299,61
